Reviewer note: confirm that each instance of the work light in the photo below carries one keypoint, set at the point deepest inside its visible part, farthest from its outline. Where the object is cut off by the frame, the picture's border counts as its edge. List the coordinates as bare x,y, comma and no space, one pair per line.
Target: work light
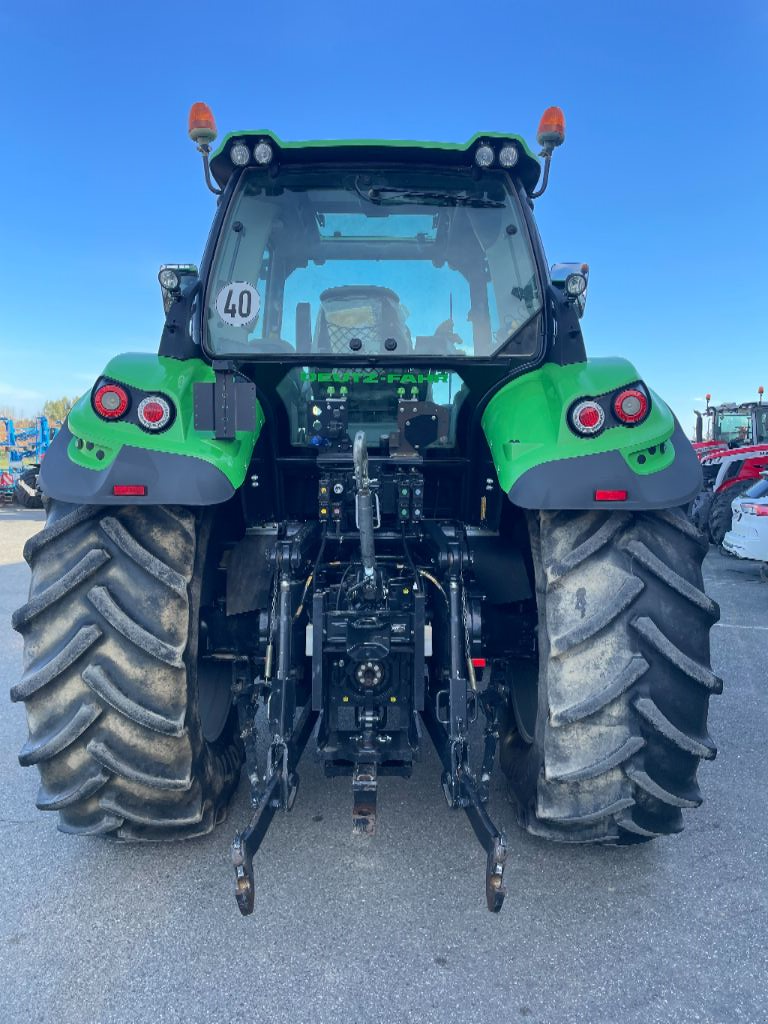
575,285
239,154
484,156
262,153
168,279
508,156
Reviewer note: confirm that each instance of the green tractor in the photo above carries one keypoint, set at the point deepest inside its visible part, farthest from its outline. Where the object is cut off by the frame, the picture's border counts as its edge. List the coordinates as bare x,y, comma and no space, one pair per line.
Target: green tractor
369,485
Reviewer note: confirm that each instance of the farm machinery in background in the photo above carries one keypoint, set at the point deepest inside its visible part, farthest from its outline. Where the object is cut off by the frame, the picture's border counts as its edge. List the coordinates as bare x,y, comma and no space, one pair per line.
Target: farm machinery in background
731,442
21,453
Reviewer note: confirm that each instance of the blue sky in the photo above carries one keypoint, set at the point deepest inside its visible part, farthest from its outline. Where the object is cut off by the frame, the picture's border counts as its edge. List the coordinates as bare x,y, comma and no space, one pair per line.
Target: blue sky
661,186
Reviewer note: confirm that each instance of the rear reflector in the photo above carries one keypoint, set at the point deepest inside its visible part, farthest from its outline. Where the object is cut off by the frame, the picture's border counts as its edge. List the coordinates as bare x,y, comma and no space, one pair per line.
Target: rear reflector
479,662
610,495
129,490
630,406
110,401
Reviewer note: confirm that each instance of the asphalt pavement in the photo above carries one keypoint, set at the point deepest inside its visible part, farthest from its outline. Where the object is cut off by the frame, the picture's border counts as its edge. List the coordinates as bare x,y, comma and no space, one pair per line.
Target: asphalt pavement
394,928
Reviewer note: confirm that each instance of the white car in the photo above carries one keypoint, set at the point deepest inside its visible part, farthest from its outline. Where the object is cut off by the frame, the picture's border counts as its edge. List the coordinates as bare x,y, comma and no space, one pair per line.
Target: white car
748,536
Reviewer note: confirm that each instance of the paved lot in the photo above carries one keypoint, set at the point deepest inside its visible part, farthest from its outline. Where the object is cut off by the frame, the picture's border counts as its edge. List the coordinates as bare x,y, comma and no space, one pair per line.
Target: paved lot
395,929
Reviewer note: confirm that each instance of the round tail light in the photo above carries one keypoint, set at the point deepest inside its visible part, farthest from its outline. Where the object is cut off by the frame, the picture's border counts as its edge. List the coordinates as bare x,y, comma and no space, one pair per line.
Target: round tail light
630,406
154,412
110,401
587,418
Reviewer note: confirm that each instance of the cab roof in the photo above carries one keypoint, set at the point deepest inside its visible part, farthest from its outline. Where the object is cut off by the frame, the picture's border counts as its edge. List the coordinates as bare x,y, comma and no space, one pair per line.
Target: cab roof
738,406
377,152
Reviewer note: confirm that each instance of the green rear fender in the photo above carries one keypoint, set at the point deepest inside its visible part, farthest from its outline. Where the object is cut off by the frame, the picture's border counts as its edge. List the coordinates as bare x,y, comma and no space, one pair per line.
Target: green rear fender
542,463
181,464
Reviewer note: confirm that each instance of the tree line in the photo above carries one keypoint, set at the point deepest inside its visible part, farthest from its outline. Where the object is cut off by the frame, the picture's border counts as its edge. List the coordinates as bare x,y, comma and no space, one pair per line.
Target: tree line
56,409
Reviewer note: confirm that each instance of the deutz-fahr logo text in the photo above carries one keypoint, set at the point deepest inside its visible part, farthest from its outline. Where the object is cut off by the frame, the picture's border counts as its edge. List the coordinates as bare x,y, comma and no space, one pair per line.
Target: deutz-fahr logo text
372,377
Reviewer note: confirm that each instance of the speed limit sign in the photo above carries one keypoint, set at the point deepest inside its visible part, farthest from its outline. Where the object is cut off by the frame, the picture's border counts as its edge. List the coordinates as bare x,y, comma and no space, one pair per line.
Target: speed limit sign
238,304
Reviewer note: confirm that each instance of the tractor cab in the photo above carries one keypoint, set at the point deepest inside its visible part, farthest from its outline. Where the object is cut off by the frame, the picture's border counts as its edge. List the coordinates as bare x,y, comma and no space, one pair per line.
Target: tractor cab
733,425
374,261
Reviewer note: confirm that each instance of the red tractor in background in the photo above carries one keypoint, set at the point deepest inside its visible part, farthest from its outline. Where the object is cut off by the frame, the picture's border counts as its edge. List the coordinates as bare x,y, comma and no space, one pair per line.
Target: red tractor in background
733,451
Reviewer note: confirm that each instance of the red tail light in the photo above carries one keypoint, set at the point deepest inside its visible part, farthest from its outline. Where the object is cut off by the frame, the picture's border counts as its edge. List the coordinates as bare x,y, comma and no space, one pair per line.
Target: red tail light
587,417
610,495
755,510
154,412
129,490
110,401
630,406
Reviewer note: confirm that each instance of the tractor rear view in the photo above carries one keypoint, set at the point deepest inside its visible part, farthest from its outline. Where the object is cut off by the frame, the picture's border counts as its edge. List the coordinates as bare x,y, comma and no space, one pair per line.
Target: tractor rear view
371,488
733,451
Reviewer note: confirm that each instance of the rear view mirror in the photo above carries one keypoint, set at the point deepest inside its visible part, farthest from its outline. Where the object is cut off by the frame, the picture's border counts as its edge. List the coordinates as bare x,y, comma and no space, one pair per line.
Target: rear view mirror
573,279
175,279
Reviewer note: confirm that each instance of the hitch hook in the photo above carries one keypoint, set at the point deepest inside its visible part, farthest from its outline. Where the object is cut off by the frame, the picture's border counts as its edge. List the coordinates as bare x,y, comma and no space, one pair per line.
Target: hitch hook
495,890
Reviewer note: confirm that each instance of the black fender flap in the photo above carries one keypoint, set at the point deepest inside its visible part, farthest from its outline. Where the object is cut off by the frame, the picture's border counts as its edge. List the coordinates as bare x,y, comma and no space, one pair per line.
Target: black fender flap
572,483
169,479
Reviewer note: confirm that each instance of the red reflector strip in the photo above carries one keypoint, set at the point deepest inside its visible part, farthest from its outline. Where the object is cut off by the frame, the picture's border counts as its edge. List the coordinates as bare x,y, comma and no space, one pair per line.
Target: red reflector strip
479,662
129,490
610,495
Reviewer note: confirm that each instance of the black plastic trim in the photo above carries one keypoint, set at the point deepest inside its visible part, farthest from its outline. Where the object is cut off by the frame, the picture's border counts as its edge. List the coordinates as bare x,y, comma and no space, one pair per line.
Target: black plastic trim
571,483
170,479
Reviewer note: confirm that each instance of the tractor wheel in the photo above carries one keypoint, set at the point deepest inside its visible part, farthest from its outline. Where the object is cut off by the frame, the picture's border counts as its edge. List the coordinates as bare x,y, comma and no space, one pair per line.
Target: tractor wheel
720,516
26,493
603,742
698,511
132,734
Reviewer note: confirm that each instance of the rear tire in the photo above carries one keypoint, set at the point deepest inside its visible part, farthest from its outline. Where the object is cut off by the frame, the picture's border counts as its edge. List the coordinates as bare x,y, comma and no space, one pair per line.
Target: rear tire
699,510
618,720
111,674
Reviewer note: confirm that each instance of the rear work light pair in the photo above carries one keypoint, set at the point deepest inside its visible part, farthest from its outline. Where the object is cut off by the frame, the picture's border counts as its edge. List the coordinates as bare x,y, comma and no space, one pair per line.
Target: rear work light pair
630,407
112,402
508,155
240,154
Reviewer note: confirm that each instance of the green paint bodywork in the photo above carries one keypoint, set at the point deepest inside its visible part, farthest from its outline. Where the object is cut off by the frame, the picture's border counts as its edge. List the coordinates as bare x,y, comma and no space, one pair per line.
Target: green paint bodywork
525,422
174,378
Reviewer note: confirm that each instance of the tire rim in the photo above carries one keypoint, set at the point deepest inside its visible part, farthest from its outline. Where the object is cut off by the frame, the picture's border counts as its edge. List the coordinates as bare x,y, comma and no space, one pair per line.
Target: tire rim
214,697
524,687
